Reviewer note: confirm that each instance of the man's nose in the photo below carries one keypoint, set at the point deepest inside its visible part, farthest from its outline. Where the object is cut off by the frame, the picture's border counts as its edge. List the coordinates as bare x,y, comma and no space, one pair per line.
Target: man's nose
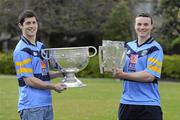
142,27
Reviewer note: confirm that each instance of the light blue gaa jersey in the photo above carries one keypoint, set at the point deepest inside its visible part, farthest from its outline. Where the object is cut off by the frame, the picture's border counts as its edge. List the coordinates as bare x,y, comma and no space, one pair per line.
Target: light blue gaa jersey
28,63
148,57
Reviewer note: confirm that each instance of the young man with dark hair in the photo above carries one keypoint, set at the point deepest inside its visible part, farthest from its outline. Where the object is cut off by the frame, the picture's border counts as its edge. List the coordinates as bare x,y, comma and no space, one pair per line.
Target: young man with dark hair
35,100
140,97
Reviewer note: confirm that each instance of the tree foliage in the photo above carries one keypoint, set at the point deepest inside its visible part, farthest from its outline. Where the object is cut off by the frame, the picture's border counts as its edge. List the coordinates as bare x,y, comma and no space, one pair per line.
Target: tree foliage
169,10
60,15
64,20
73,15
117,27
9,11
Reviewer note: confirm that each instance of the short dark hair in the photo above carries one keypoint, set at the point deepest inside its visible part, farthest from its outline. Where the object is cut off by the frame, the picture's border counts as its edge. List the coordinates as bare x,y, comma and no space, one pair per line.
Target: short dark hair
26,14
145,15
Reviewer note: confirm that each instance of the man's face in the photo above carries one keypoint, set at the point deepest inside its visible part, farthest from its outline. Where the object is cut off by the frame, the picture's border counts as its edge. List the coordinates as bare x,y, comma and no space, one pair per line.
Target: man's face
143,26
29,27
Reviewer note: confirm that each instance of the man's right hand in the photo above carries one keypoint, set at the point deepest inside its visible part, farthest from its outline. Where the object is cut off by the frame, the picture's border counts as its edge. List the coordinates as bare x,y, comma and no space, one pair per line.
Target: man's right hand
59,87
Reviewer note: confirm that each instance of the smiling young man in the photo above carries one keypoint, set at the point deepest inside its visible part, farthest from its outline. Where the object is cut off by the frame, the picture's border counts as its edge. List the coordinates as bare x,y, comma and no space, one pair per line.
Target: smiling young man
35,100
140,98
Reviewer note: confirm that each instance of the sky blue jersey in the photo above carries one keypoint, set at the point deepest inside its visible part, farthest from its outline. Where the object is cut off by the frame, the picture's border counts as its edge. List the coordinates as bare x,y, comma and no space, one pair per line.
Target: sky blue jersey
146,57
29,63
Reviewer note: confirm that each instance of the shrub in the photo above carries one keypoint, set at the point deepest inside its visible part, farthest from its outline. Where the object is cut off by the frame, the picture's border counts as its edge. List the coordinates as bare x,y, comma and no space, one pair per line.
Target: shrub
171,67
92,70
6,63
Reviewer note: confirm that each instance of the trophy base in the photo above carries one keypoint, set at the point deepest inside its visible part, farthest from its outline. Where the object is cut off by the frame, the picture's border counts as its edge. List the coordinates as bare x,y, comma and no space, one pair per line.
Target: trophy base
74,84
71,81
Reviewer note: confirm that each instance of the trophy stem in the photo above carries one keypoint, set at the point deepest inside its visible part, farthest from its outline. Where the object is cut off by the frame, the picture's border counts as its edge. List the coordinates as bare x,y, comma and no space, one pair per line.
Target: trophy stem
70,80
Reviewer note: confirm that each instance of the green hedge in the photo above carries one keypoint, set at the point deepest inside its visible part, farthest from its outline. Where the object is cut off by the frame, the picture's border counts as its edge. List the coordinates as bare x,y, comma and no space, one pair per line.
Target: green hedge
6,63
171,67
92,70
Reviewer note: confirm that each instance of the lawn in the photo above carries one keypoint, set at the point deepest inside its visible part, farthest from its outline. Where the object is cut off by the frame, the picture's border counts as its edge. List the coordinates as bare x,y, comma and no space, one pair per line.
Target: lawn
98,101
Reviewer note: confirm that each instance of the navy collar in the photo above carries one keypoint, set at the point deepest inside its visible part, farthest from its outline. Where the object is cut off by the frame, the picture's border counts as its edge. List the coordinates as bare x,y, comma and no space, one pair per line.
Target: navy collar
25,40
148,41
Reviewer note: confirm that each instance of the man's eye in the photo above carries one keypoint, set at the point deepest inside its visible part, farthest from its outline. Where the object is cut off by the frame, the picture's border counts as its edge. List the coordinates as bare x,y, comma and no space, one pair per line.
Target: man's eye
27,23
146,24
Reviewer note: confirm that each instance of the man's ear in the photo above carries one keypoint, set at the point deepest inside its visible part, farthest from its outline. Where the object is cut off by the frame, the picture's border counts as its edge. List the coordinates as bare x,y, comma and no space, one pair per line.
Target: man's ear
152,28
20,26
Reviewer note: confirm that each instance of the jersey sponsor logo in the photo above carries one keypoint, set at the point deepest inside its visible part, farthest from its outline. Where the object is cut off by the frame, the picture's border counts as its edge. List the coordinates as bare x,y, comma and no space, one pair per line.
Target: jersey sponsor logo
43,64
133,61
133,58
43,67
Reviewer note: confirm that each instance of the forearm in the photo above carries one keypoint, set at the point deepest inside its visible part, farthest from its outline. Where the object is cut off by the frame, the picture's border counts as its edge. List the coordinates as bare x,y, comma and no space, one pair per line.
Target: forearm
37,83
56,74
140,76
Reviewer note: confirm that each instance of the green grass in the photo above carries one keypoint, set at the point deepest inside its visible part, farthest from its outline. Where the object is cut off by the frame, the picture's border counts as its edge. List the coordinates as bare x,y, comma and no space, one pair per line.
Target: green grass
98,101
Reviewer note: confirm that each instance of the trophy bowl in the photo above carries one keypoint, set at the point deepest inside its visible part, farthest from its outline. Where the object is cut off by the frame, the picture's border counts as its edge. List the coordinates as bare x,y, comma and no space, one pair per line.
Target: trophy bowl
112,55
69,60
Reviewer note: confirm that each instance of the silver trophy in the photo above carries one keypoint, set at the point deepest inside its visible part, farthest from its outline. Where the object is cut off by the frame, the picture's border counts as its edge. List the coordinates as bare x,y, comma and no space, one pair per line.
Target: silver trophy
112,55
69,60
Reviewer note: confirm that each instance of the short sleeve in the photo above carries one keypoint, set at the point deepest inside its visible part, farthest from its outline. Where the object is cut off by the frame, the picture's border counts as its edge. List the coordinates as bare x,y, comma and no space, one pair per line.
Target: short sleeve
154,63
23,64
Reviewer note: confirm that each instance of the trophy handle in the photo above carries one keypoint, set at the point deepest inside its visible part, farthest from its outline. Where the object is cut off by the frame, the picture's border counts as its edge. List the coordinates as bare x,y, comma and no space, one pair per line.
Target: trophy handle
122,62
44,54
100,59
95,51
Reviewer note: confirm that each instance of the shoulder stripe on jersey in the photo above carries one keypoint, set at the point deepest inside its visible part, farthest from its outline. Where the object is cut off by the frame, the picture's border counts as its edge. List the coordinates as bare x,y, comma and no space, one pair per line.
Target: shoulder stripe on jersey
28,50
152,49
31,52
153,60
22,63
149,51
154,68
24,70
129,48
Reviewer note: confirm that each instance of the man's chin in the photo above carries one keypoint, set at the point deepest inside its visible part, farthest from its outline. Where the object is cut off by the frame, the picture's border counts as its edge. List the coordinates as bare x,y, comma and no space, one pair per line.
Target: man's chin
143,35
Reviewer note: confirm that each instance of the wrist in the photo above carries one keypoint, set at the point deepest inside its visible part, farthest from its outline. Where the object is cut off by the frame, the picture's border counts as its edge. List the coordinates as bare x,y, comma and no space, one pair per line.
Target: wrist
50,86
123,75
